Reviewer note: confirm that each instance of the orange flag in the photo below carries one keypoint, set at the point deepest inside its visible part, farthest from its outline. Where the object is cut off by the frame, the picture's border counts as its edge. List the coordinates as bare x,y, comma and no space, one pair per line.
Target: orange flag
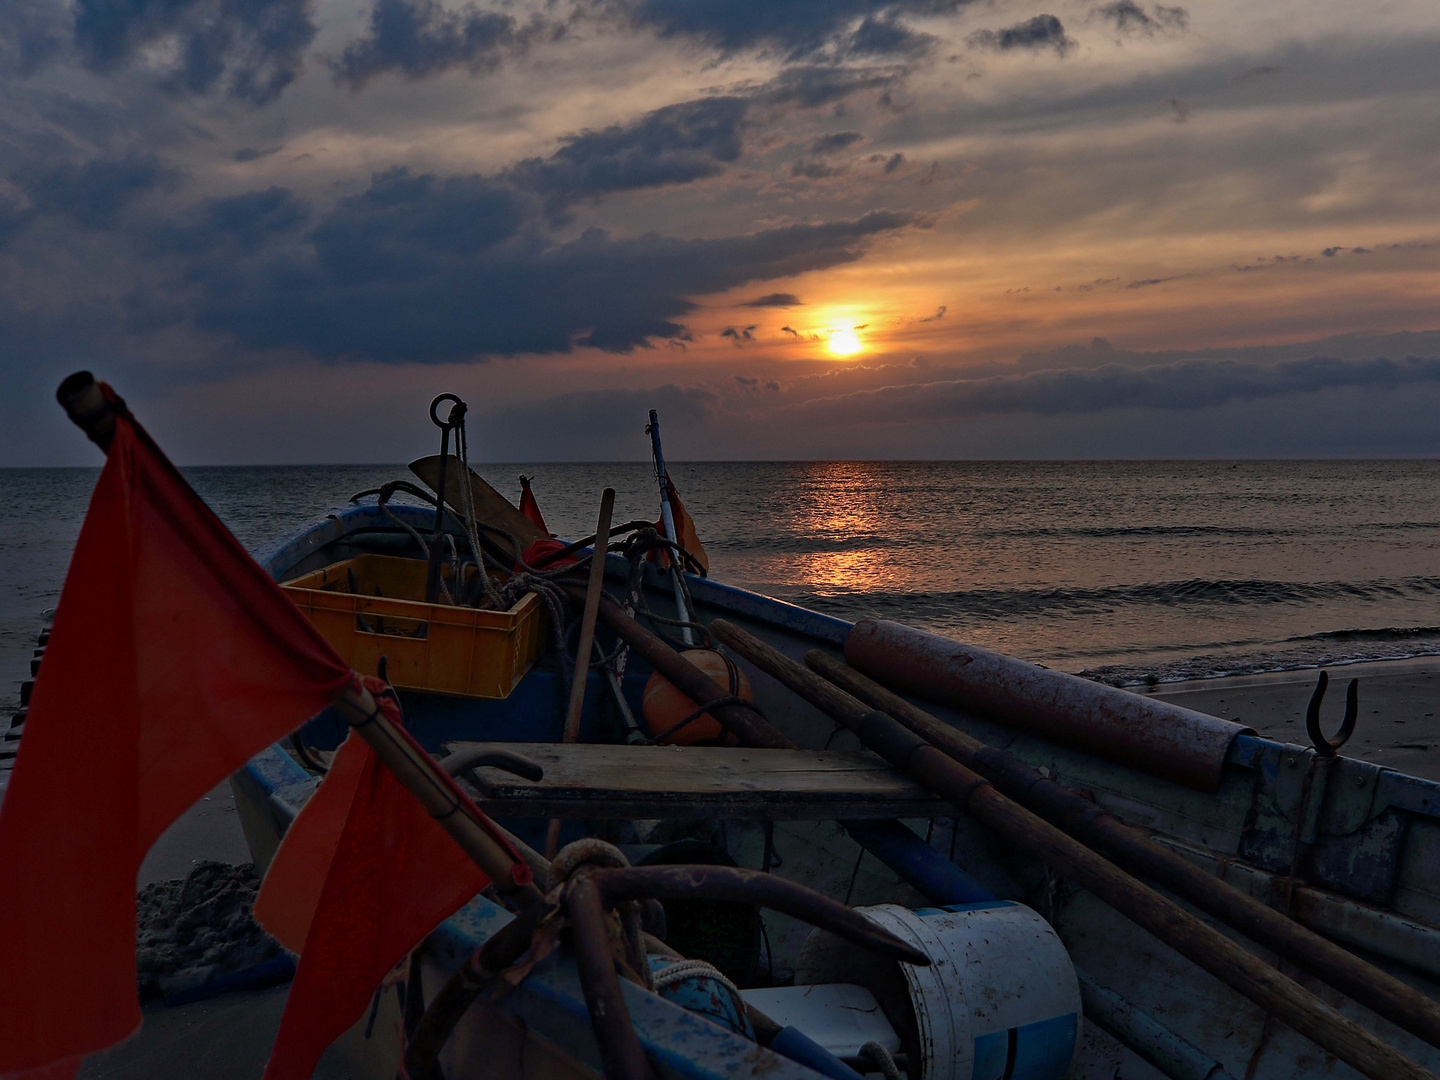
173,658
530,508
362,875
685,534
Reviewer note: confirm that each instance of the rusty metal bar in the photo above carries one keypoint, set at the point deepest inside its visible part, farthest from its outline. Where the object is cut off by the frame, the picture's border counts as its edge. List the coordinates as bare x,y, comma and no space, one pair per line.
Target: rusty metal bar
740,886
621,1054
1134,850
1152,736
1245,973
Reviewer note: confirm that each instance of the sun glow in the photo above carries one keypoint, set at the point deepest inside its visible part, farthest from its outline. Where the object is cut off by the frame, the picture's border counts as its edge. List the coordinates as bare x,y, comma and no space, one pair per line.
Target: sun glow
845,343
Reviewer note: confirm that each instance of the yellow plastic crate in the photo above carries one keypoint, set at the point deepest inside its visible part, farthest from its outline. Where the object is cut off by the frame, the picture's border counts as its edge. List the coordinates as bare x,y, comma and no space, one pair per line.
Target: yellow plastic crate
464,651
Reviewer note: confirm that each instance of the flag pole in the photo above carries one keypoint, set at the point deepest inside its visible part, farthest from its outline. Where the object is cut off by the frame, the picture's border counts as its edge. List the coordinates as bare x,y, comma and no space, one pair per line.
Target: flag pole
667,519
437,792
93,406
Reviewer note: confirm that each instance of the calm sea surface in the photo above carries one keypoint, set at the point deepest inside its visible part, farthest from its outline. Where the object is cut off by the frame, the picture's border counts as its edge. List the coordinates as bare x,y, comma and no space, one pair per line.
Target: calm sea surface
1121,569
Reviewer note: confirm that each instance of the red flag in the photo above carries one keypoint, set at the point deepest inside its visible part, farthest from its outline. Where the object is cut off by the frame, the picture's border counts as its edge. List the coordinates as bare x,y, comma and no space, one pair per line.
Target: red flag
685,534
530,508
362,875
173,658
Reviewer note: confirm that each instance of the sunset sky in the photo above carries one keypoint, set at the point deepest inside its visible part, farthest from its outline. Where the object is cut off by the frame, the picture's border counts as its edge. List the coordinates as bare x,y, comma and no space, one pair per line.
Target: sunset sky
798,228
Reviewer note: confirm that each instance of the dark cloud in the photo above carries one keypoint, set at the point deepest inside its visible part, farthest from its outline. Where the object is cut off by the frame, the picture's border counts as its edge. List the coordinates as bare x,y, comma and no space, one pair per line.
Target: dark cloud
257,43
424,269
939,314
814,170
887,37
1331,252
1260,71
1344,346
835,142
813,85
791,331
894,161
676,144
419,38
793,28
247,154
94,193
775,299
239,223
740,334
32,33
1179,111
1129,17
1041,32
1192,384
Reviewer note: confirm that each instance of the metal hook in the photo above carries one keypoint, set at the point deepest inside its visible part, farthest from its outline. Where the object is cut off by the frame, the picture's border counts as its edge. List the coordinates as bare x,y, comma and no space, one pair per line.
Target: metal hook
1322,745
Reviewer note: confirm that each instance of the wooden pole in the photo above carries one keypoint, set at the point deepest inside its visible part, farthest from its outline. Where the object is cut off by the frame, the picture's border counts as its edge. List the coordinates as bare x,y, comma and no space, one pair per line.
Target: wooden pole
1211,950
1132,849
424,779
749,726
587,638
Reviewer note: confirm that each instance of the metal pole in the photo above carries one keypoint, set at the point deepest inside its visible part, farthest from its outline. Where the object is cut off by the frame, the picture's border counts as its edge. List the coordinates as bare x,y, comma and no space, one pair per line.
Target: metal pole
667,520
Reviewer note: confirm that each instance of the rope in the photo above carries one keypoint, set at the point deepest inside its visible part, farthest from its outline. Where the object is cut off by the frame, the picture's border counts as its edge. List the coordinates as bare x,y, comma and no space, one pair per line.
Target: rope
593,852
882,1059
680,970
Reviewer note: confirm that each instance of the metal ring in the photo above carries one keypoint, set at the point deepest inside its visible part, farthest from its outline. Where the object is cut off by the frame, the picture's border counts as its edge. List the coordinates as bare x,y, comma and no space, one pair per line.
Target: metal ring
451,421
1322,745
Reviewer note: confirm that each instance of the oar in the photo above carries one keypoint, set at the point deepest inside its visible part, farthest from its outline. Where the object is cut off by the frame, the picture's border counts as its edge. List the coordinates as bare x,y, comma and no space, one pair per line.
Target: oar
1132,849
1211,950
587,637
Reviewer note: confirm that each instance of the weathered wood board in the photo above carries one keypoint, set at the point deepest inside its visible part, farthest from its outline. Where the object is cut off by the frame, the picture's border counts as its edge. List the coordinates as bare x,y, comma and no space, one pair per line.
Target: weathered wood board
621,782
490,505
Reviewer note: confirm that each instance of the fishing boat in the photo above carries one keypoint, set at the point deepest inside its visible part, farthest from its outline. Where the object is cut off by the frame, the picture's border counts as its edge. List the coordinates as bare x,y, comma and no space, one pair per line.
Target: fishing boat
1063,853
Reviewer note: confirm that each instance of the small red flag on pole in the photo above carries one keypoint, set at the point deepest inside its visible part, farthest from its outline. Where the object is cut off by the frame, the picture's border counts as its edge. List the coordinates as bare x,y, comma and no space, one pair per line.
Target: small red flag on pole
361,876
173,658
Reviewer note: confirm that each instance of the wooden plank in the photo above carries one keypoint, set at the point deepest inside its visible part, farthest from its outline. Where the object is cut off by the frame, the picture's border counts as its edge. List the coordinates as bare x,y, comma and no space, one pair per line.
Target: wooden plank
490,505
622,782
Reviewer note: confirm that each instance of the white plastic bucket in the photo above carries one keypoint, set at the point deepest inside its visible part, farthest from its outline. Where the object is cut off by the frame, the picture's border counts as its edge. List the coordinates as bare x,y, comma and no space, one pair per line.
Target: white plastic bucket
999,999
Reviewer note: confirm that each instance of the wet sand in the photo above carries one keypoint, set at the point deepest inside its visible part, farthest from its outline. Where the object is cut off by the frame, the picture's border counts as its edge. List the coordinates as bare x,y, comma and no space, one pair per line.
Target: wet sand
228,1038
1398,724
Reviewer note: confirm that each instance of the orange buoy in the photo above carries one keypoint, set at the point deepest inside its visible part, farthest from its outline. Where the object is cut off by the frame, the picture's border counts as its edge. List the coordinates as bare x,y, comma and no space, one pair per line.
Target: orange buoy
665,705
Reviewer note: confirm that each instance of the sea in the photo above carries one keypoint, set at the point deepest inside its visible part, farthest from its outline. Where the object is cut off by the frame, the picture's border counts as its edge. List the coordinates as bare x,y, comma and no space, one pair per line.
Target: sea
1131,572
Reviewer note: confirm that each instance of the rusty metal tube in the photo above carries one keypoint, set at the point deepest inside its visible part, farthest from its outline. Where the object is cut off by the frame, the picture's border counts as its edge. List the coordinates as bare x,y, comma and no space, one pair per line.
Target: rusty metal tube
621,1055
1152,736
1209,949
1135,851
741,886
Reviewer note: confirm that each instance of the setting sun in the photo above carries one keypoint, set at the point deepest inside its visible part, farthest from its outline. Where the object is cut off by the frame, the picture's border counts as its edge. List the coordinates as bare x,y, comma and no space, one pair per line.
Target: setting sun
845,343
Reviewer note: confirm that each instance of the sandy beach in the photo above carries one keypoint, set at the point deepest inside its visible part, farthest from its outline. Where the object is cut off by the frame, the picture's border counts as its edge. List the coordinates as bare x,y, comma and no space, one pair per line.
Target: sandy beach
1397,725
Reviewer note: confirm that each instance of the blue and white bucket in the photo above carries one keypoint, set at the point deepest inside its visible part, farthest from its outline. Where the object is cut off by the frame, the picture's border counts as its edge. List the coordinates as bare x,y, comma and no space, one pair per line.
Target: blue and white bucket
999,999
